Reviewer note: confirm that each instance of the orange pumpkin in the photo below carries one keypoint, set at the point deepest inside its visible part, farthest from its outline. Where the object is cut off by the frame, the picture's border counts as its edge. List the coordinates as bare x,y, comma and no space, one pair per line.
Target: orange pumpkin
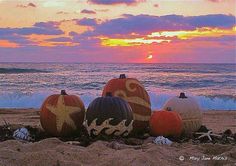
62,114
131,90
166,123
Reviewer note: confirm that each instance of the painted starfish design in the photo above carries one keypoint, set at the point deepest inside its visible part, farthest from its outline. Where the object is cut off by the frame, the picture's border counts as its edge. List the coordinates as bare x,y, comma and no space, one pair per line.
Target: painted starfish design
62,113
208,134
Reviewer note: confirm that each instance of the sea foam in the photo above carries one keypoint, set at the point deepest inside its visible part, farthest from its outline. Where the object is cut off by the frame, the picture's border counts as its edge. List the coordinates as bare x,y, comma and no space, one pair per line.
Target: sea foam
35,100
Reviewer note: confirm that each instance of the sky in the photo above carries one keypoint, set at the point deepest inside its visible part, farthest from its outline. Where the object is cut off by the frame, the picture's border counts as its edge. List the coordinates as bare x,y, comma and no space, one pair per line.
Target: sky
118,31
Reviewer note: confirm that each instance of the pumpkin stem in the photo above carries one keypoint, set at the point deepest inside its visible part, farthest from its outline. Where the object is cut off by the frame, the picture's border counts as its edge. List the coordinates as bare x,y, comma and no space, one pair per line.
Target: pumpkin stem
108,94
122,76
63,92
182,95
168,109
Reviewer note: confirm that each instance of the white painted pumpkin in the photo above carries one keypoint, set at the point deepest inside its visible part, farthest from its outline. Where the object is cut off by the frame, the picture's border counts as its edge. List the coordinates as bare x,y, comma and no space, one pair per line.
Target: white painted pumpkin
189,111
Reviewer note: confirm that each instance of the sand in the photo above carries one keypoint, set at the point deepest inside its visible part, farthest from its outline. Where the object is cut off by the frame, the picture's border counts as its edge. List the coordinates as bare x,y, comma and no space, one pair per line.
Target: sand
54,152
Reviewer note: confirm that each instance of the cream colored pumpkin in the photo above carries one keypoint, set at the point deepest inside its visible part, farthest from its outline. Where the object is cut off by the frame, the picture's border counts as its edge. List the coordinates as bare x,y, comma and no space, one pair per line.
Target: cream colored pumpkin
189,111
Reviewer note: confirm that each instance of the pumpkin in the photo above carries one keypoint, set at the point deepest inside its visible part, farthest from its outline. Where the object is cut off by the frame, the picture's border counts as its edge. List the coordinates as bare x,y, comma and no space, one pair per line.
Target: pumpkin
62,114
189,111
110,116
131,90
166,123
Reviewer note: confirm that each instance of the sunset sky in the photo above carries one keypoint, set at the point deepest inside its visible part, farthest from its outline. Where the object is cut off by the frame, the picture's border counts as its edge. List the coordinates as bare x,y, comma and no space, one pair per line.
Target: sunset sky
127,31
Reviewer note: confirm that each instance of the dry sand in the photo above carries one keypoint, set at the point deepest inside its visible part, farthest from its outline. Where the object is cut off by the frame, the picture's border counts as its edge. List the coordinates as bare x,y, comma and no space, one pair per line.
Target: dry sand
54,152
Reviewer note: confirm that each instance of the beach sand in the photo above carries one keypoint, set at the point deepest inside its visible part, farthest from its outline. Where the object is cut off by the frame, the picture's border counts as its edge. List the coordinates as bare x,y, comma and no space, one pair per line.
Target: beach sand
54,152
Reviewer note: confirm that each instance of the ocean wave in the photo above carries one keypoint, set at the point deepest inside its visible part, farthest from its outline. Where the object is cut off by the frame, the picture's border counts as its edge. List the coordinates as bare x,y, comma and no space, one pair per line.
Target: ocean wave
201,83
161,70
20,70
217,102
34,100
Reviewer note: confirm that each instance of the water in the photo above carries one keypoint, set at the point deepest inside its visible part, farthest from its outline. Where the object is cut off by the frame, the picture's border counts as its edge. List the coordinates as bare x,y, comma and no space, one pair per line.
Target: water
25,85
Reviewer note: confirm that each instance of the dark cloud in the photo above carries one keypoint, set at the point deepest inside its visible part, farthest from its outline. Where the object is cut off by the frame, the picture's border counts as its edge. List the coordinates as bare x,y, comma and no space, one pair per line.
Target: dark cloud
87,22
115,2
26,6
21,40
217,20
47,25
144,24
41,28
85,11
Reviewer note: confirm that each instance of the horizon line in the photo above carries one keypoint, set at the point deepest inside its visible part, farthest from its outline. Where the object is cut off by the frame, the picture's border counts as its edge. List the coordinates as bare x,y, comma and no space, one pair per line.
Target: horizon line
129,62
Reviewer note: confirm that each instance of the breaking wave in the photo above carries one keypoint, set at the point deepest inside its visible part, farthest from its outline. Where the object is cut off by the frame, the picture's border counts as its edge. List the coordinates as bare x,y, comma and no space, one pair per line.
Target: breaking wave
20,70
24,100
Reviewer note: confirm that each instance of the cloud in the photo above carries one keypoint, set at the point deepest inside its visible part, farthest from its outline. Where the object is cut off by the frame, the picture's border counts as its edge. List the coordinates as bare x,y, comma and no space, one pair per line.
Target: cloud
156,5
87,22
31,5
15,38
215,0
102,10
8,44
85,11
60,39
40,28
144,24
26,6
214,20
115,2
62,12
49,24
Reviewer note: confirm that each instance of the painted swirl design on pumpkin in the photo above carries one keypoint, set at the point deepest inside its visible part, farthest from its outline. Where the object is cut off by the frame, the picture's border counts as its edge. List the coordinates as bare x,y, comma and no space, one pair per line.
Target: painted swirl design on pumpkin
132,99
141,117
117,130
131,81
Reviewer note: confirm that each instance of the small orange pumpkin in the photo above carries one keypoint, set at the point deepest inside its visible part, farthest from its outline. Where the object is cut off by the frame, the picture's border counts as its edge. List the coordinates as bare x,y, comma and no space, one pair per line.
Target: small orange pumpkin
131,90
166,123
62,114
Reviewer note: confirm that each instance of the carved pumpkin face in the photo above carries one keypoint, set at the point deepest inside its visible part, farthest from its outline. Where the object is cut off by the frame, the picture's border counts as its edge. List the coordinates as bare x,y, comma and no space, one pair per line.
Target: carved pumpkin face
109,116
189,111
134,93
166,123
62,114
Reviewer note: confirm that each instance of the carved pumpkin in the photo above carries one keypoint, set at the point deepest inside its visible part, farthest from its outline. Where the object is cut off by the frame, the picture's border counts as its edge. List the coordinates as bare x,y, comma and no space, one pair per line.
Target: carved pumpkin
131,90
111,116
189,111
62,114
166,123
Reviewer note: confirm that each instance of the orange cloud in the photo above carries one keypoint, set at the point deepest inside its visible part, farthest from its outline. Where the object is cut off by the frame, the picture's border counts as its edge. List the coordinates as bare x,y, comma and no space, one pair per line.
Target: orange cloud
168,36
8,44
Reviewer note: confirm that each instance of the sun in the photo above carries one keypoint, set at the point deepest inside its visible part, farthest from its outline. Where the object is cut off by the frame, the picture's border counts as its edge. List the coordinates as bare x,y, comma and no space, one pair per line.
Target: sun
149,57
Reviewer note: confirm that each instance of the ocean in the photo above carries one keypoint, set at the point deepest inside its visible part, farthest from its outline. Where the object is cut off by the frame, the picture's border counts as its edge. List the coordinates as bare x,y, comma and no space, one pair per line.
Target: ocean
26,85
